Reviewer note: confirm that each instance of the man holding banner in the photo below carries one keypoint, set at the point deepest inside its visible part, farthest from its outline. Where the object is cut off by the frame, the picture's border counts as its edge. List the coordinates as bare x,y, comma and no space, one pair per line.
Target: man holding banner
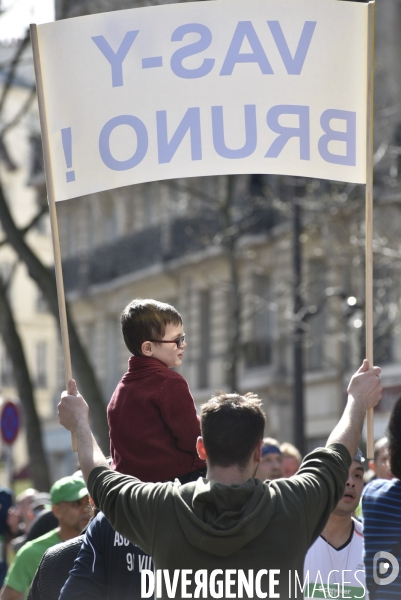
229,530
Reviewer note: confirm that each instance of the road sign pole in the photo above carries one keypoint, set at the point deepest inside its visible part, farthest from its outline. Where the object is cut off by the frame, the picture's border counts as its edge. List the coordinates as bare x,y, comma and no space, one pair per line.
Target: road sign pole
10,465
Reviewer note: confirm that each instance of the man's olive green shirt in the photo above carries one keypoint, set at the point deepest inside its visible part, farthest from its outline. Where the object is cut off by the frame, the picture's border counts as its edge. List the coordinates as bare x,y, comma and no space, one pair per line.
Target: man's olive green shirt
207,525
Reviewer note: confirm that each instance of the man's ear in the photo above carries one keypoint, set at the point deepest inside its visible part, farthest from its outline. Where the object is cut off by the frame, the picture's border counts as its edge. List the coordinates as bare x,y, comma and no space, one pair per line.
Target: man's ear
258,452
372,466
147,349
200,448
56,508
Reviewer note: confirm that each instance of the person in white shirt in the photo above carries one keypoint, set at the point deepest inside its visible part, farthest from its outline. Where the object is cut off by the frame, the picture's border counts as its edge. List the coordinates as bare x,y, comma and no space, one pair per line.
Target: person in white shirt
334,565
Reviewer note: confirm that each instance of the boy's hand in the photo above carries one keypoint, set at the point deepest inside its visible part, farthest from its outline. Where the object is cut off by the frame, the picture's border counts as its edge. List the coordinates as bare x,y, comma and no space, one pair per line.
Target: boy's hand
72,409
365,386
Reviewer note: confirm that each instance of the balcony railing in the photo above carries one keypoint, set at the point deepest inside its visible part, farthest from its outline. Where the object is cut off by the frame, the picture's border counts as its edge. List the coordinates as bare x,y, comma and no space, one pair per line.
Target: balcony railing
155,245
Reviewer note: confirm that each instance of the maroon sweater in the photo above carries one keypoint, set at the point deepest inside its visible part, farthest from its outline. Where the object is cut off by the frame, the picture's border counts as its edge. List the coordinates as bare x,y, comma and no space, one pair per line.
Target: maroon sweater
153,423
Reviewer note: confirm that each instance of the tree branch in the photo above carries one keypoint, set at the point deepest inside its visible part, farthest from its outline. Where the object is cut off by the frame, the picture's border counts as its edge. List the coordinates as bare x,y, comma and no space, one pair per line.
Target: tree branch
44,209
45,279
22,111
13,67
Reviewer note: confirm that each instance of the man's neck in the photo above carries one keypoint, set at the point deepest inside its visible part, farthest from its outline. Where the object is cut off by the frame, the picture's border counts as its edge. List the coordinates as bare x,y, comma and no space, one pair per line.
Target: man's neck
338,530
230,475
67,533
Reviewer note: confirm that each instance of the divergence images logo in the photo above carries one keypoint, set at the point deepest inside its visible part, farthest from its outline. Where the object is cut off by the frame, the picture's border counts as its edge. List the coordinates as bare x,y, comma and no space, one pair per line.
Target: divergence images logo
381,566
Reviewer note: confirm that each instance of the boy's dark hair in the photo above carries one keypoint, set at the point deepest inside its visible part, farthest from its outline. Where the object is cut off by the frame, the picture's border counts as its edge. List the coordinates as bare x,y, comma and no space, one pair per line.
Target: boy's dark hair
143,320
394,439
231,426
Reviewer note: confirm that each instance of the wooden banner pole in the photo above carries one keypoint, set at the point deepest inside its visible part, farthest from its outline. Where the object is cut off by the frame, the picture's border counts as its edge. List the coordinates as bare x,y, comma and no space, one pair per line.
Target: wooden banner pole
53,214
369,220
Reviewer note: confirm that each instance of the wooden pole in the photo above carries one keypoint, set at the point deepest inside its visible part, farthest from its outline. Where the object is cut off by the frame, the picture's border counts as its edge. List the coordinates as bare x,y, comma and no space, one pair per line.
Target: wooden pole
52,210
369,219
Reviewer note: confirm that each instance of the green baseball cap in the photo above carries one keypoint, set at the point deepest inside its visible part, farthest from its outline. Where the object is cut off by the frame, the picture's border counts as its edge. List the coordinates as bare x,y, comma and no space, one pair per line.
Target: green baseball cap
68,489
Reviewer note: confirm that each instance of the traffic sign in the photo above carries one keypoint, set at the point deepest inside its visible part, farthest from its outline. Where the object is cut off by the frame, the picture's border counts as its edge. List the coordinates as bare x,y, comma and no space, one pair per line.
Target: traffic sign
9,422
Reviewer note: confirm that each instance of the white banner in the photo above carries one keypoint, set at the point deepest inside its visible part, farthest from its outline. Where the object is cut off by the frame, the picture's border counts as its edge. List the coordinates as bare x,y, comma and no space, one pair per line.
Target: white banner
206,88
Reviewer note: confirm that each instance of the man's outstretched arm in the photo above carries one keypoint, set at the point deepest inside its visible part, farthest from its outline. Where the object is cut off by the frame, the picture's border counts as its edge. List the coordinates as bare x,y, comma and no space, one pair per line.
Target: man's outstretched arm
73,415
364,391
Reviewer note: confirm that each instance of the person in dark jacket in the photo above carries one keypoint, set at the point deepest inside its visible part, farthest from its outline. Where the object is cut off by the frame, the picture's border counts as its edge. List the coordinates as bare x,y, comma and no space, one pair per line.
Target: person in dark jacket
108,566
100,564
5,504
381,500
54,569
55,566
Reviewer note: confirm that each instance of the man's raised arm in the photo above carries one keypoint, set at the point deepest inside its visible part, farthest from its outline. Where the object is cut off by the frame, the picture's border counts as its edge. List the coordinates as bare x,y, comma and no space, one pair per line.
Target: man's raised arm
73,415
364,391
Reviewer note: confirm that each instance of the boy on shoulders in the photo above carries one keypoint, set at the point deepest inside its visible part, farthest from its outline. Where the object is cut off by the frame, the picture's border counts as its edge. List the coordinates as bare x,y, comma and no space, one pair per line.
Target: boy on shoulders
152,416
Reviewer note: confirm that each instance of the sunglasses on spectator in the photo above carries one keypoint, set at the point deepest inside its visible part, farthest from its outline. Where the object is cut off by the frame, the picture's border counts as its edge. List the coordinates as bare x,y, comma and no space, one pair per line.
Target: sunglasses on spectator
179,341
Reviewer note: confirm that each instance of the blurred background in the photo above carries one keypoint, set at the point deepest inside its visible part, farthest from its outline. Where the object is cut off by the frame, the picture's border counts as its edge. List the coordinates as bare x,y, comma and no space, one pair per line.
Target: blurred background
267,272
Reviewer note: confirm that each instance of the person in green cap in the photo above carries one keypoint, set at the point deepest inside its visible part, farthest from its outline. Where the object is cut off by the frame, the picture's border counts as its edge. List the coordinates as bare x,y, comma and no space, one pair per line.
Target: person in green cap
70,504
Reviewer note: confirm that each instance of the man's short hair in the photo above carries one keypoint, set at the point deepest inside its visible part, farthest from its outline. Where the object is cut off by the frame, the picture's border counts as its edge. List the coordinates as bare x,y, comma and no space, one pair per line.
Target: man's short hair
231,426
143,320
394,439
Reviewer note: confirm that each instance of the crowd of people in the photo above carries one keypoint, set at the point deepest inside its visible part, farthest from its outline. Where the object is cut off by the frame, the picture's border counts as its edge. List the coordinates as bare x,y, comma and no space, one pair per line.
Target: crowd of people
201,505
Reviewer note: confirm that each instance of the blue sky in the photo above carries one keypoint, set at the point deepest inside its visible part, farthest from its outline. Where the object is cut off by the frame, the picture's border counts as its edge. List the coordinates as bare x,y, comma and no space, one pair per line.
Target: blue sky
20,13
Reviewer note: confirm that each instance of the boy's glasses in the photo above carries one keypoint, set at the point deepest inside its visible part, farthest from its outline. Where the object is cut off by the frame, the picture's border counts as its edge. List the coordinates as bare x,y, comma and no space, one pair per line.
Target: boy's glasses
179,341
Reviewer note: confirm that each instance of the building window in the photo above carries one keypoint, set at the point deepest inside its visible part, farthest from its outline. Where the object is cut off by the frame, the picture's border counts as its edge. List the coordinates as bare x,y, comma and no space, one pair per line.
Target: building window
113,370
91,343
37,165
385,314
109,222
257,185
91,227
41,366
258,350
149,199
204,327
41,303
7,375
70,228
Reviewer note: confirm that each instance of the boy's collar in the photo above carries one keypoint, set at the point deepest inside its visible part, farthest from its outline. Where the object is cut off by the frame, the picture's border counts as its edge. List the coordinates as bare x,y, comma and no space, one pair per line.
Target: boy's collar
141,362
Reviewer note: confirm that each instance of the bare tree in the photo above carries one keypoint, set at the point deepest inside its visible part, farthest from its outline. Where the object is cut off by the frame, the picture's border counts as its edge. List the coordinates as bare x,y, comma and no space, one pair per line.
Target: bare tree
43,276
45,280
